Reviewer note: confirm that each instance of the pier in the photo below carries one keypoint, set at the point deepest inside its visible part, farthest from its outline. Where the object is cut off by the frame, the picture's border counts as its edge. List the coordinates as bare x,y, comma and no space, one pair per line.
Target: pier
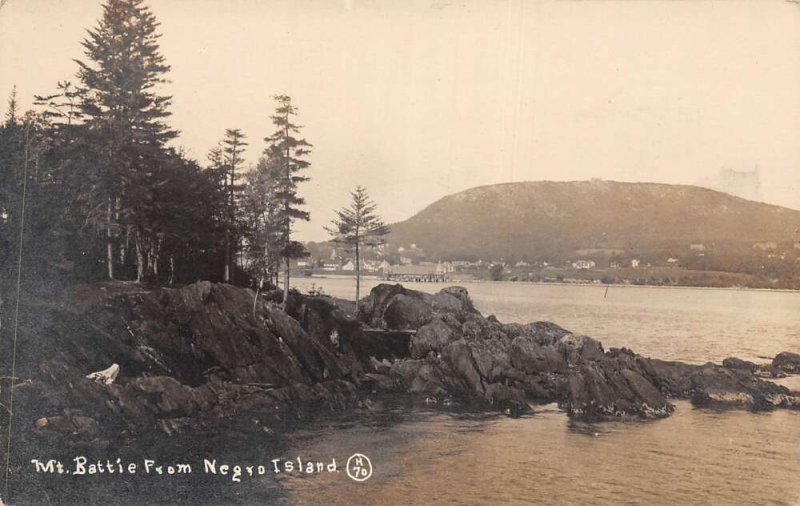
415,278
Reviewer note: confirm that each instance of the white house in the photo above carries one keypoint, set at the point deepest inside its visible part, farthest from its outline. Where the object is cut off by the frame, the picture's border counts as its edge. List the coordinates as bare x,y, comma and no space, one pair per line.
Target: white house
349,266
444,267
583,264
635,263
330,266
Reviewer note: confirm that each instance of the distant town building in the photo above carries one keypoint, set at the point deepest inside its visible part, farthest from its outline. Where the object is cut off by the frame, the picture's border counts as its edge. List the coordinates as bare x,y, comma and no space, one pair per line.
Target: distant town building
522,263
635,263
330,266
444,268
672,260
349,266
765,246
303,263
697,247
583,264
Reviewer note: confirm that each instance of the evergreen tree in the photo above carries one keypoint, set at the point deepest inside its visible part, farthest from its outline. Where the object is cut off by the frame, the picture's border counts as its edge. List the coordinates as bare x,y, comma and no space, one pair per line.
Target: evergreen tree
358,226
124,124
31,200
288,154
233,158
12,113
61,108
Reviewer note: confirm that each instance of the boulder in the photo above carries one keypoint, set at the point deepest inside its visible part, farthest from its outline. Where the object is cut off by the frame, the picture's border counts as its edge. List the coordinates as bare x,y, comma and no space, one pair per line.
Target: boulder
579,349
719,387
395,307
404,312
432,337
737,363
787,362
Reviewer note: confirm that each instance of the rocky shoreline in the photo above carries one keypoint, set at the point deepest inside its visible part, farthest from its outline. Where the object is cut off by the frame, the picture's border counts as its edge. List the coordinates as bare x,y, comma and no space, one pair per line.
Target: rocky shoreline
207,358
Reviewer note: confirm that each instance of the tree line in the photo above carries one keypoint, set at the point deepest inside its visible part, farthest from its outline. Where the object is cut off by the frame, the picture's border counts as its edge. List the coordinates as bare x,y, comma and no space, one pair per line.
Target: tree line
91,182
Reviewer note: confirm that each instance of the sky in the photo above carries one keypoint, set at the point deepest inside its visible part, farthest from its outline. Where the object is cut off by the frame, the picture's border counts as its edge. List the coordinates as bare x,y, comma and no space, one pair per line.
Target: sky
416,100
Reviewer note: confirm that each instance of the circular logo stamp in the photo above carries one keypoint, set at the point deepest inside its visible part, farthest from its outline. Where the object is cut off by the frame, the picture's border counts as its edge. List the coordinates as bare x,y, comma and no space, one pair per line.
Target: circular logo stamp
359,467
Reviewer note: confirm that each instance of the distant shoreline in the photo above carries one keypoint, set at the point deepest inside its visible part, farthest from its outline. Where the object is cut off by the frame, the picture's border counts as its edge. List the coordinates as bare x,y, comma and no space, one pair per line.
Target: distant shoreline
558,283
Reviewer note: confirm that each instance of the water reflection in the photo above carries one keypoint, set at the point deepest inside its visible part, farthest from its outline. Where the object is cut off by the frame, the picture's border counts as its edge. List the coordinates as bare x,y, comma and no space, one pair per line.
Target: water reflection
693,457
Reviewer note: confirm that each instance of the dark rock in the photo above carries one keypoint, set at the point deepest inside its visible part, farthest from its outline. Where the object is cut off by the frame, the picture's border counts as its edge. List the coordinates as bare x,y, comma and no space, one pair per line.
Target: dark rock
542,332
532,358
737,363
787,362
462,363
403,312
613,387
578,349
395,307
433,336
190,357
462,354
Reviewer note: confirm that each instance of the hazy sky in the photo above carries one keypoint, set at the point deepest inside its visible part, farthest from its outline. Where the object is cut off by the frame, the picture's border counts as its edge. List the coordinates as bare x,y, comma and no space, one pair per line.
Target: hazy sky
416,100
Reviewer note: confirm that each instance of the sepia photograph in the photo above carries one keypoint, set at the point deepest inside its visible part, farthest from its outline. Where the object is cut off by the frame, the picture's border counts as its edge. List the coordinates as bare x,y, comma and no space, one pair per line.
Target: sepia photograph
377,252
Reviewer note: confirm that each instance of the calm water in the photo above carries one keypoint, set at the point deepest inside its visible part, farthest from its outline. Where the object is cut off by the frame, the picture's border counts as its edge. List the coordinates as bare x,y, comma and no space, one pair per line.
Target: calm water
694,457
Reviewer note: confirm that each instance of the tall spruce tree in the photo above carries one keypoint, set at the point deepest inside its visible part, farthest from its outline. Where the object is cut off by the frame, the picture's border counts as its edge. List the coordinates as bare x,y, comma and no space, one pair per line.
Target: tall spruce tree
288,154
358,226
233,146
124,123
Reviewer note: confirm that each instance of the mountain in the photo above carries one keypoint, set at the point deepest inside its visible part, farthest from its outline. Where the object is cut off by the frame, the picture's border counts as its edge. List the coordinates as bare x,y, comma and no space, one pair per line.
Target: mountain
552,219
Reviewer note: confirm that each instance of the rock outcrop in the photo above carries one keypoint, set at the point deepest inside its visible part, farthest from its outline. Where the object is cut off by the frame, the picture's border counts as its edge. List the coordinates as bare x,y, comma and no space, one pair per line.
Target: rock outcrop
188,358
458,353
787,362
205,356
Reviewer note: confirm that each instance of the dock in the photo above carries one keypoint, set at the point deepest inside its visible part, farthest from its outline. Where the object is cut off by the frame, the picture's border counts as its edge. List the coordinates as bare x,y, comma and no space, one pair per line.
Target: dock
415,278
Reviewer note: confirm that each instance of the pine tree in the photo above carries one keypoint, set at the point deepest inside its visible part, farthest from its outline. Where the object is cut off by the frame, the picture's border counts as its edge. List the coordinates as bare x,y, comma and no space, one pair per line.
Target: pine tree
12,113
287,153
61,108
358,226
233,158
124,122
